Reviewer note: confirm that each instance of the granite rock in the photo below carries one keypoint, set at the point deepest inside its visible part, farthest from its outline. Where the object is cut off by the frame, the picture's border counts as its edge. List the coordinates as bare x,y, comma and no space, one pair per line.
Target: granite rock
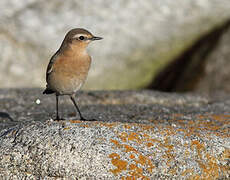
141,134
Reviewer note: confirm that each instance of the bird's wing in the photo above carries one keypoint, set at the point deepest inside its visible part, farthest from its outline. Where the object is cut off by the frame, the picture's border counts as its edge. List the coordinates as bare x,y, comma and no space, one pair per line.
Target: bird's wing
50,65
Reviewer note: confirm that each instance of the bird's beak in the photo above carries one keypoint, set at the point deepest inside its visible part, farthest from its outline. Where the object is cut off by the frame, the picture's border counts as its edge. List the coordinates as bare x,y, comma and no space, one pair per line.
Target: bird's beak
96,38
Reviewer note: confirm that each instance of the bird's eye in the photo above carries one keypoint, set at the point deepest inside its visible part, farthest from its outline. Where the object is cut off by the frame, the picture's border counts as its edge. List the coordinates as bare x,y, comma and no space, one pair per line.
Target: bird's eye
81,37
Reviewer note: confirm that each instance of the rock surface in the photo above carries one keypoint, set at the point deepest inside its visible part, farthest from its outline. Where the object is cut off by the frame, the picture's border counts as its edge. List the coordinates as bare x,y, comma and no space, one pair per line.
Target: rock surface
139,36
142,134
217,69
204,67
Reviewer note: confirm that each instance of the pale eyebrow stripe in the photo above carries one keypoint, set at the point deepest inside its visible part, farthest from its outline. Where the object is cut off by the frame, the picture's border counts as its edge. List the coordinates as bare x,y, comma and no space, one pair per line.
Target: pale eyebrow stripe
78,35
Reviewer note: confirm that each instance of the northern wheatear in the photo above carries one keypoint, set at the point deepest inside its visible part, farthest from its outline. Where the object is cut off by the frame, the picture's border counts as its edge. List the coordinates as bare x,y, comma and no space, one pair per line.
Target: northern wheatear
69,66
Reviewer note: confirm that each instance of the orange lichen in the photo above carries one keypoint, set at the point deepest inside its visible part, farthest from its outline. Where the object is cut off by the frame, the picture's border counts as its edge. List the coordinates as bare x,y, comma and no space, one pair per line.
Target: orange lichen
84,125
187,171
146,127
141,163
114,155
155,140
134,167
132,156
121,165
169,131
115,142
135,171
199,147
129,148
126,126
123,136
211,169
149,144
173,170
128,178
219,117
208,164
212,123
226,155
75,121
181,130
142,160
146,135
134,178
109,125
134,137
145,161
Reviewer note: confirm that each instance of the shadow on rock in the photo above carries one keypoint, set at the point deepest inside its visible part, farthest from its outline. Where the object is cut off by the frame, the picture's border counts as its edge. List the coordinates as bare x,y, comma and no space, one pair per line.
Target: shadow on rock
187,70
6,116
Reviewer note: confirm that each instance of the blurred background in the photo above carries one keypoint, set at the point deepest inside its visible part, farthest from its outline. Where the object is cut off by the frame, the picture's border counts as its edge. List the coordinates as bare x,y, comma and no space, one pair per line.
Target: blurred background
167,45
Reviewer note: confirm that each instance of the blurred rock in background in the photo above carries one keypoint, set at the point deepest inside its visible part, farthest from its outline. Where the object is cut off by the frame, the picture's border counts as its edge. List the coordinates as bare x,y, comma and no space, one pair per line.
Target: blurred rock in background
141,40
203,67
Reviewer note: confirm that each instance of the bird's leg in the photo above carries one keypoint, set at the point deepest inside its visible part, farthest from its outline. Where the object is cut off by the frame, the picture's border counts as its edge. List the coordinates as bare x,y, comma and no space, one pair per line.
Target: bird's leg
75,104
57,114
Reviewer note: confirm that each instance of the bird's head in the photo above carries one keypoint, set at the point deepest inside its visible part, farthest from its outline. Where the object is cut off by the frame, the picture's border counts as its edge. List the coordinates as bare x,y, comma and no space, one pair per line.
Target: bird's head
79,37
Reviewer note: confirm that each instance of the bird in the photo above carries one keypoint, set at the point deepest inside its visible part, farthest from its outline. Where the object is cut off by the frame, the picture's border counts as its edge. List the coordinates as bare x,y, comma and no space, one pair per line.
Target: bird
68,67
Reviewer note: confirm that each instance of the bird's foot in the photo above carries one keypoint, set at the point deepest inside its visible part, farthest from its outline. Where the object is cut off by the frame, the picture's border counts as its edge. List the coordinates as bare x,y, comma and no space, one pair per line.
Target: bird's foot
83,119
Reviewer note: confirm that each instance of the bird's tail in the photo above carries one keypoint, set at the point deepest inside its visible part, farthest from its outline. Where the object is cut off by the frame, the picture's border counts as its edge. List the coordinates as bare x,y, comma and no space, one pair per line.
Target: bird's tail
48,91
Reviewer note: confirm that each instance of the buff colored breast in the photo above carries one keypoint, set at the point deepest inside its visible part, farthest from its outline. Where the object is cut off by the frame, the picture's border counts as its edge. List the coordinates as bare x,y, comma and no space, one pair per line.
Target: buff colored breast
69,73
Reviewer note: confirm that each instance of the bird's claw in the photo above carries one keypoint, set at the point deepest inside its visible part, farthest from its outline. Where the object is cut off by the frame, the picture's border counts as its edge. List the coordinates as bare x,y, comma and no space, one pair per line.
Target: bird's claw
83,119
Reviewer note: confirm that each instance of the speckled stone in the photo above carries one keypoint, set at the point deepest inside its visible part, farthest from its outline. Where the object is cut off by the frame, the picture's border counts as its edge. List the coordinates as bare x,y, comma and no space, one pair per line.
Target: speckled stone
141,134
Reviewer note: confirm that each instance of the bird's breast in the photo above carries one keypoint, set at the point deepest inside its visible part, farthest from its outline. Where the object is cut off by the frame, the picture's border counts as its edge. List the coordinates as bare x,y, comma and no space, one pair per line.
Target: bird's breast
69,73
73,66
